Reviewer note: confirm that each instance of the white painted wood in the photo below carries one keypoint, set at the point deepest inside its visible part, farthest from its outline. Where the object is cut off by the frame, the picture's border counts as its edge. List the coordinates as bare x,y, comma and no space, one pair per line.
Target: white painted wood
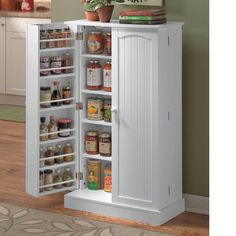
2,55
197,204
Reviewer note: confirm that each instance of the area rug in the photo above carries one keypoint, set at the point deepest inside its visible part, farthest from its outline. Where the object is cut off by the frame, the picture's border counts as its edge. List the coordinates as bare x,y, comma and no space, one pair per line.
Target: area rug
18,221
12,113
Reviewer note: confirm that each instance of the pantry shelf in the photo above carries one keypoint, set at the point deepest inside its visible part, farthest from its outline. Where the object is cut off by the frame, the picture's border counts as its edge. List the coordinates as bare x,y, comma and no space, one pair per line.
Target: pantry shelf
57,68
97,56
63,107
57,49
100,122
97,92
56,166
55,101
57,132
57,76
98,157
57,140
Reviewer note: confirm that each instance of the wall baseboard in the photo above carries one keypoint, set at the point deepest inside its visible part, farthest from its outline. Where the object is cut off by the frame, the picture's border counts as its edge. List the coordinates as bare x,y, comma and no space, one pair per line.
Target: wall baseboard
196,204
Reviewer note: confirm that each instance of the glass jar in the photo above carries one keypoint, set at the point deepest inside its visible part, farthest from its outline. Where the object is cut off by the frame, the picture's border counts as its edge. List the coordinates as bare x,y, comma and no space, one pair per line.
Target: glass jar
108,44
44,64
95,109
48,179
107,110
68,150
41,181
59,35
56,94
66,62
43,129
52,128
91,142
94,75
45,97
95,43
57,179
56,62
67,176
42,162
49,153
67,34
58,152
108,178
107,82
64,124
51,36
43,36
66,93
105,144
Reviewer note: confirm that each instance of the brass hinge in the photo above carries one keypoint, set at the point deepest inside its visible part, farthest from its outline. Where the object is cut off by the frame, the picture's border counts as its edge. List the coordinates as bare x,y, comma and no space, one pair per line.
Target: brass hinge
79,106
79,176
79,36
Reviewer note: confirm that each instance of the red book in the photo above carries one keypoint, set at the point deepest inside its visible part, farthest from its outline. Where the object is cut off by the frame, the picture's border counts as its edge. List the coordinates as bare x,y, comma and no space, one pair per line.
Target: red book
151,12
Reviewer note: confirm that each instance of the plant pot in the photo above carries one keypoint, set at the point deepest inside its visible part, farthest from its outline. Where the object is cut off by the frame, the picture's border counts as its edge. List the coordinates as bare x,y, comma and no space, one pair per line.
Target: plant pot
105,13
91,15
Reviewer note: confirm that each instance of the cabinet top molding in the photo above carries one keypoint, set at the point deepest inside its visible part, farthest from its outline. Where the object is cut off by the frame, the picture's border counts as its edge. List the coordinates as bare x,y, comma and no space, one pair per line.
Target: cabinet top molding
116,24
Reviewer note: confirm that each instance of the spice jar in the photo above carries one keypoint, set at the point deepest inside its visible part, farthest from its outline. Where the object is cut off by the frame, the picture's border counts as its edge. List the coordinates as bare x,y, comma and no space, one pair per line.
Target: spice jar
95,43
58,152
108,44
67,176
56,62
52,128
67,34
44,64
105,144
42,162
108,178
43,36
49,153
95,109
43,129
68,150
107,82
48,179
45,96
64,124
56,94
66,93
94,174
94,75
66,62
107,110
57,179
41,181
91,142
59,35
51,36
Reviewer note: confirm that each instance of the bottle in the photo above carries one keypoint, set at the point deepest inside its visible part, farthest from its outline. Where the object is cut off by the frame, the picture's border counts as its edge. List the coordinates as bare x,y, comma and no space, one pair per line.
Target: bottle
52,127
43,129
57,179
58,152
67,175
68,150
48,179
49,153
56,95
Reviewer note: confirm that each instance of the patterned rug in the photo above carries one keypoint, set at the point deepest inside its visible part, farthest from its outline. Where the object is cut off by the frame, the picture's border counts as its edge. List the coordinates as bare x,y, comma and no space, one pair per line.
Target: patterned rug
12,113
18,221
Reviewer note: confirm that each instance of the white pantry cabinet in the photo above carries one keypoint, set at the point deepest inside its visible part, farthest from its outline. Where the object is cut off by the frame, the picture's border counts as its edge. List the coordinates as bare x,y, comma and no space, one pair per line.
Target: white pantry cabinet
146,120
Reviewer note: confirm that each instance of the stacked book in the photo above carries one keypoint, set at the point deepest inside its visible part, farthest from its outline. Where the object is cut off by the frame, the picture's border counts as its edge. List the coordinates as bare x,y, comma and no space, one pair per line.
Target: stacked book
146,17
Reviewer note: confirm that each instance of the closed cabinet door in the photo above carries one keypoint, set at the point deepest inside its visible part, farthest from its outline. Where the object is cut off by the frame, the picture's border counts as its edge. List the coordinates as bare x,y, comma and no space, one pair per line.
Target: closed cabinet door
2,55
135,117
16,65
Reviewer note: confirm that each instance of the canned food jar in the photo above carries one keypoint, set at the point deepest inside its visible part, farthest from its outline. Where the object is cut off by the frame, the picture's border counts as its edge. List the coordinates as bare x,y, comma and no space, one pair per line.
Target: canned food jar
67,34
66,62
64,124
51,36
66,93
68,150
48,179
91,142
107,82
108,178
95,43
59,35
45,96
94,75
56,62
108,44
94,174
105,144
43,36
107,111
95,109
44,64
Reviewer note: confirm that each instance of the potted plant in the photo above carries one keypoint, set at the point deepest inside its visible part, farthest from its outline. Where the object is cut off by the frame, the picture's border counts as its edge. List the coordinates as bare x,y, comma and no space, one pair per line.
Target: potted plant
104,8
90,12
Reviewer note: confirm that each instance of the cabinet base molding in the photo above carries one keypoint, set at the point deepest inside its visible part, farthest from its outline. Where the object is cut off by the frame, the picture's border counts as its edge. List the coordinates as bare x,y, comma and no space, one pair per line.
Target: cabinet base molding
197,204
75,200
12,100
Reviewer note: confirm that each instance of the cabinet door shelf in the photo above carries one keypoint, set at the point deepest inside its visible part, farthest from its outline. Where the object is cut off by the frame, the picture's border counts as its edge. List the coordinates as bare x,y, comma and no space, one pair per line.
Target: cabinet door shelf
55,40
62,107
58,140
98,157
53,157
57,166
58,132
57,49
58,68
64,75
59,100
51,185
99,122
97,92
45,193
97,56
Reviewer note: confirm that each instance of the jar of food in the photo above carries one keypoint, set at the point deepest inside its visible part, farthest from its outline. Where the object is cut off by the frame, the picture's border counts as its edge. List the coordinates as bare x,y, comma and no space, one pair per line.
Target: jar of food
52,128
57,179
107,82
43,36
107,110
67,176
56,62
44,64
108,178
67,34
66,93
43,129
64,124
66,62
51,36
95,109
41,162
68,150
108,44
45,97
56,94
95,43
94,75
59,35
91,142
49,153
41,181
58,152
48,179
94,174
105,144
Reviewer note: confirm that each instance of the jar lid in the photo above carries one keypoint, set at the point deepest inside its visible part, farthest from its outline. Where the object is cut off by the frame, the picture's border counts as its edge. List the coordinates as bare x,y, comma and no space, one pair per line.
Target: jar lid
109,33
67,169
45,88
105,135
92,133
58,145
42,119
64,120
50,148
95,100
44,59
56,58
47,172
58,171
94,161
96,32
67,88
68,145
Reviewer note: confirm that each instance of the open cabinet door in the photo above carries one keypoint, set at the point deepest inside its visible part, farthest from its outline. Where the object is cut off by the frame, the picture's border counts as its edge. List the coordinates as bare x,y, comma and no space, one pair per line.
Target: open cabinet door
51,152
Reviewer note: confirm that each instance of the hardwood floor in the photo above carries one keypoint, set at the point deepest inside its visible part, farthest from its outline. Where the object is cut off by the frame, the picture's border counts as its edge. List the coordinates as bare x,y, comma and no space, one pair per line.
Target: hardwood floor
12,175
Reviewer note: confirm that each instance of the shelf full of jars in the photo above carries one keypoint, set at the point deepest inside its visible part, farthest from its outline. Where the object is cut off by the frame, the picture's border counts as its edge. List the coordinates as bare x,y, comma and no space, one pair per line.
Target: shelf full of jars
96,115
57,110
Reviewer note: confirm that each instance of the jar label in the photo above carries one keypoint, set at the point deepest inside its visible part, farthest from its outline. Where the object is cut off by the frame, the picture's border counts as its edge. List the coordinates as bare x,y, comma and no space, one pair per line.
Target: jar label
94,46
66,132
107,78
95,110
105,148
94,77
108,183
91,146
55,64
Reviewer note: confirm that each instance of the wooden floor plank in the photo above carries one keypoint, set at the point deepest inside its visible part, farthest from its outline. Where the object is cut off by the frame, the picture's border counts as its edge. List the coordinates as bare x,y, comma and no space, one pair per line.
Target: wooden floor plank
12,175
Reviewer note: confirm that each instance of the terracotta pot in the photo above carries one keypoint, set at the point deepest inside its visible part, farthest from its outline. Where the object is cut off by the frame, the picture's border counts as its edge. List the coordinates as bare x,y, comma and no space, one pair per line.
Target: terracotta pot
8,5
91,15
105,13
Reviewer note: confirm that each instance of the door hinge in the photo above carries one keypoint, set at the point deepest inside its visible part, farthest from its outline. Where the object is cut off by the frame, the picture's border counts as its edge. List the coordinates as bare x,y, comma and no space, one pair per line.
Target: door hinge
79,36
168,40
79,106
79,176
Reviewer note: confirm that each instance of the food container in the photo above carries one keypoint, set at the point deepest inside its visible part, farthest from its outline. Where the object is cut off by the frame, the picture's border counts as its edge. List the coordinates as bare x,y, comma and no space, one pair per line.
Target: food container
94,75
51,36
48,179
59,35
105,144
64,124
94,174
95,109
107,110
108,44
108,178
45,96
67,34
95,43
66,62
66,93
107,82
91,142
56,62
68,150
44,64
